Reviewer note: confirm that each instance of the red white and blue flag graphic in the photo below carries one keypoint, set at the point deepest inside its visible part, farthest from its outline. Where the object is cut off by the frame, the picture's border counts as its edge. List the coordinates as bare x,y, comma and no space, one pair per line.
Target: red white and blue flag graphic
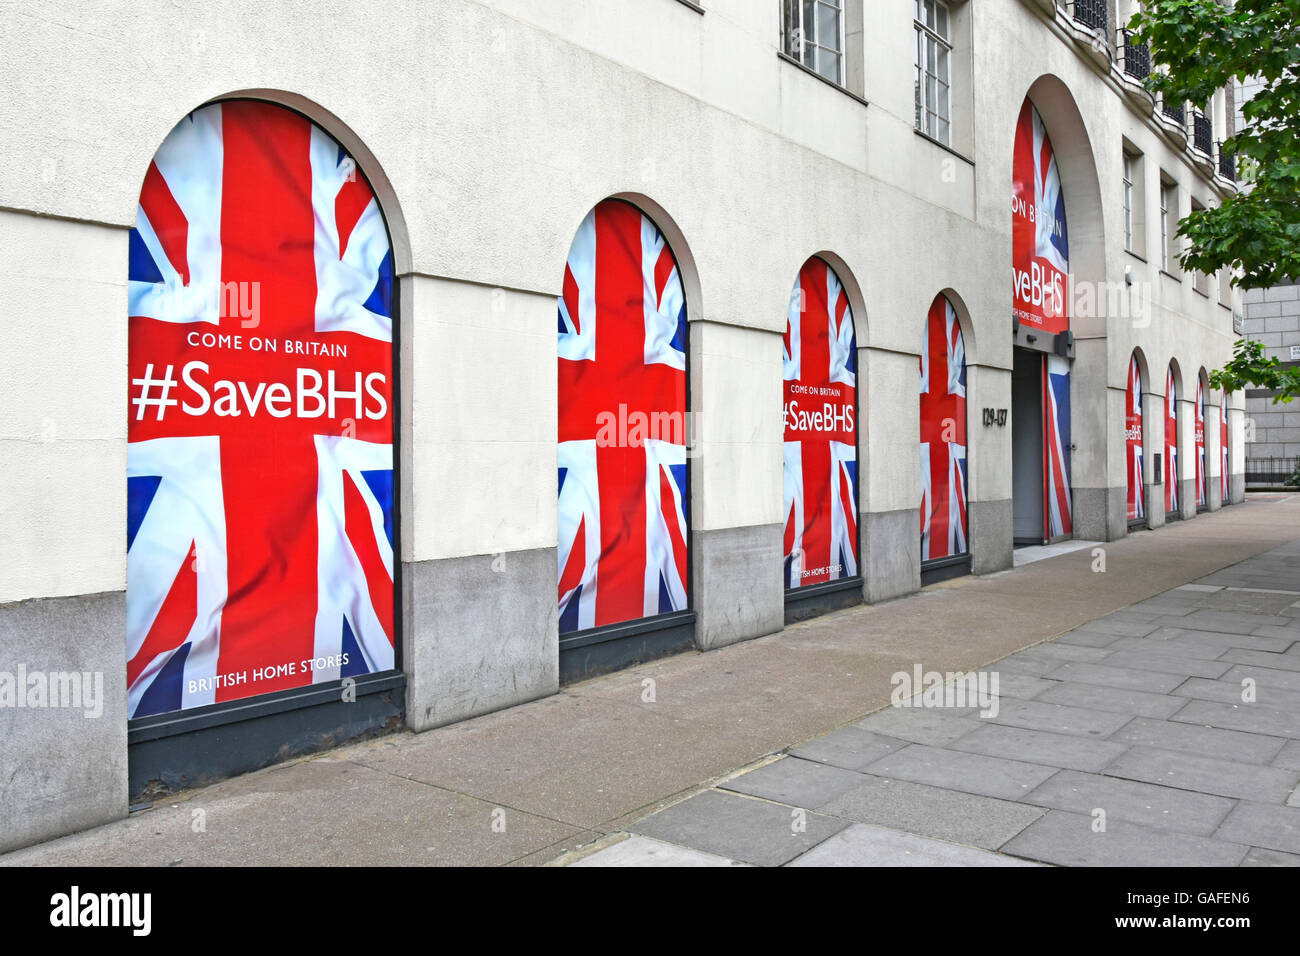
1040,265
1133,440
1223,450
821,444
260,455
1202,473
1171,443
622,424
943,434
1040,252
1056,465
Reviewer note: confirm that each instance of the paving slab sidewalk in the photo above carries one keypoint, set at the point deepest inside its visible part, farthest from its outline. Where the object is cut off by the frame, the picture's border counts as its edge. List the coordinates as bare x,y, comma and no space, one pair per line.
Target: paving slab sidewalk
1102,777
568,777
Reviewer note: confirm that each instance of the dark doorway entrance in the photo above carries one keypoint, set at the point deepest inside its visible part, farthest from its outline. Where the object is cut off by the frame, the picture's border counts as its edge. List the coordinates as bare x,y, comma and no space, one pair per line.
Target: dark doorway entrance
1027,446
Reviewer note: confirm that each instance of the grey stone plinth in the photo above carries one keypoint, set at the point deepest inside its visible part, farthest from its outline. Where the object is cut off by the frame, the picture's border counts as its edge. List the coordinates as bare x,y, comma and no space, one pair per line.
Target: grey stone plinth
891,554
481,633
990,526
1100,514
736,586
1155,504
1236,488
62,768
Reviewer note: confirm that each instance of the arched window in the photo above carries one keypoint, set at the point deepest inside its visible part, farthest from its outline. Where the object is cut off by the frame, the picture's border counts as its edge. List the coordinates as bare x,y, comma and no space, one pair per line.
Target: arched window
1224,456
260,459
943,435
820,366
1133,439
1171,444
623,530
1202,472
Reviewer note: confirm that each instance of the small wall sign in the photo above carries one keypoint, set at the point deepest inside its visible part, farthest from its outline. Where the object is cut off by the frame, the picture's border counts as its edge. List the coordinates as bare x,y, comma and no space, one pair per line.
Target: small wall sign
995,416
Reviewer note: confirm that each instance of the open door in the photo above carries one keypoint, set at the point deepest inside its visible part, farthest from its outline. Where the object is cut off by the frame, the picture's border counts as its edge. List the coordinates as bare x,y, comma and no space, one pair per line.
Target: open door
1027,447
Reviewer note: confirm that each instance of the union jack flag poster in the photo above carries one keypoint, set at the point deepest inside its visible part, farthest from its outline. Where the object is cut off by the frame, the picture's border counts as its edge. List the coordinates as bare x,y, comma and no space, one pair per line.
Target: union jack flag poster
1040,263
1171,443
1040,253
260,432
821,445
1056,443
1133,440
622,424
1202,473
1223,450
943,434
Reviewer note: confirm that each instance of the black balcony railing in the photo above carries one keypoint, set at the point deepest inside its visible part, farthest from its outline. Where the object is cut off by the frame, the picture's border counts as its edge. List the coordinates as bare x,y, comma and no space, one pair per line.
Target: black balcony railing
1092,13
1174,112
1137,57
1227,164
1202,133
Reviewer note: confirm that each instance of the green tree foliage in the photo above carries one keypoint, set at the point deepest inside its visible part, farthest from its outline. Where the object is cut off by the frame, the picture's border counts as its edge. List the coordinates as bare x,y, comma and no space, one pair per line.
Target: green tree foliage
1249,368
1204,45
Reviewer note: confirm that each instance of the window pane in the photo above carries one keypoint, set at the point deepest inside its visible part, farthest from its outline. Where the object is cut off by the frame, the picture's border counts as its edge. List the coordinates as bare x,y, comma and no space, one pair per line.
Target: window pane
931,92
791,27
809,21
941,101
1128,210
828,64
828,27
941,134
941,24
943,64
929,13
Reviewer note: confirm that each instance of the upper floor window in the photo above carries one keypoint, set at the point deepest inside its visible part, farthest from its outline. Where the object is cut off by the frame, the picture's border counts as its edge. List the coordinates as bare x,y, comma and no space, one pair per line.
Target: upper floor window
813,33
1200,281
1168,222
1225,287
1135,201
1128,201
933,50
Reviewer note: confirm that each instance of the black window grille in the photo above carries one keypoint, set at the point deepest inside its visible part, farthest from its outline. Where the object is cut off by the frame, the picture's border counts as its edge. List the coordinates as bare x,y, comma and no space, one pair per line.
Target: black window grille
1227,165
1092,13
1202,133
1137,57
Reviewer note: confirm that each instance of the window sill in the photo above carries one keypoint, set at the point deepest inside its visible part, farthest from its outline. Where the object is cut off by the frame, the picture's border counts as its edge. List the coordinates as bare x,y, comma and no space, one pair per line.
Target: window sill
1203,295
694,6
1138,256
944,146
782,55
1167,274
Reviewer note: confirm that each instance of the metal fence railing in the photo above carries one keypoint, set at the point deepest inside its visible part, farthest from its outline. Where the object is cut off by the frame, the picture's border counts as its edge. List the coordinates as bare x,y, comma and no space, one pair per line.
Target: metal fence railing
1227,164
1137,57
1092,13
1202,133
1270,471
